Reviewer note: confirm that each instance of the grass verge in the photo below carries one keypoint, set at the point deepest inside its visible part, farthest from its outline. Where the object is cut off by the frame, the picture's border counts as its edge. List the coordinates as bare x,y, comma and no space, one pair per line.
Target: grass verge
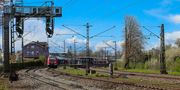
3,84
145,71
80,72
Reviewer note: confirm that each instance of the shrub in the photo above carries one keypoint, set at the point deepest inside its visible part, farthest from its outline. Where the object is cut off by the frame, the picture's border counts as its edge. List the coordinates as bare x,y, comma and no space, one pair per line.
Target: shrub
152,64
18,66
174,66
42,58
172,53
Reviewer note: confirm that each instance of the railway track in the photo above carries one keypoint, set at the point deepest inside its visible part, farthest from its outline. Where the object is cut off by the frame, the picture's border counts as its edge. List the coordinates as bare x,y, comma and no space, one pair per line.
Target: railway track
140,74
55,83
107,81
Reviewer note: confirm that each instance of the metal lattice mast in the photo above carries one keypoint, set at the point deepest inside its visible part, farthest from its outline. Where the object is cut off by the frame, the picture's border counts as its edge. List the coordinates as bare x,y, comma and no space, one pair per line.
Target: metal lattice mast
12,29
87,47
1,14
162,52
18,3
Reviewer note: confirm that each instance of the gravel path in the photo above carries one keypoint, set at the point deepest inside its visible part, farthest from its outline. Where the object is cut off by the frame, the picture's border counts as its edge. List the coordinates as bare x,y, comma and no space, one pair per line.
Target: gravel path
41,79
27,83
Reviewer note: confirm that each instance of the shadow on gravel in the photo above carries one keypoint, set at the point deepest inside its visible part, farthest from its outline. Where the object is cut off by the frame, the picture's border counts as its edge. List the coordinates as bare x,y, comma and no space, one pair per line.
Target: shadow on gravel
76,86
24,86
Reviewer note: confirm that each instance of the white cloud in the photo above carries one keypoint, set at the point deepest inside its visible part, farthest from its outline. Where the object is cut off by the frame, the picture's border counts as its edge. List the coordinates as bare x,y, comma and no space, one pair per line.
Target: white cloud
101,45
36,27
172,37
63,31
157,12
175,18
78,40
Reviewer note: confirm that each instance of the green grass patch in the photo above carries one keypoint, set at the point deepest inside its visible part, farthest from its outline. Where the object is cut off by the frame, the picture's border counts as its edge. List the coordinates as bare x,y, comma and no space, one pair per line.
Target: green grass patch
72,71
146,71
174,73
80,72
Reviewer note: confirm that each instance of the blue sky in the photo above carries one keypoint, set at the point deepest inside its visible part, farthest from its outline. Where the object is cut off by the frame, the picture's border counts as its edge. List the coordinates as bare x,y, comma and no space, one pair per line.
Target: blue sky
103,14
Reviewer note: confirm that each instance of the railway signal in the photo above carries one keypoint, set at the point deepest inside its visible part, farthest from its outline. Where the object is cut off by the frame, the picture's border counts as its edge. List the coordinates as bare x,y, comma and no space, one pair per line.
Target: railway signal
16,11
19,26
49,26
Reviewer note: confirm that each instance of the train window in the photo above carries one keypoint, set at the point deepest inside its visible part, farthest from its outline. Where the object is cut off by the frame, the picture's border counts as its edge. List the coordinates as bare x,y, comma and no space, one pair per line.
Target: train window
34,10
57,11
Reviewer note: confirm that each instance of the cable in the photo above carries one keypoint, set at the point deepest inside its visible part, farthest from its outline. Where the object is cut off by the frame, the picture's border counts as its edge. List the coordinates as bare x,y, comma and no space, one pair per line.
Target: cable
151,32
102,32
74,31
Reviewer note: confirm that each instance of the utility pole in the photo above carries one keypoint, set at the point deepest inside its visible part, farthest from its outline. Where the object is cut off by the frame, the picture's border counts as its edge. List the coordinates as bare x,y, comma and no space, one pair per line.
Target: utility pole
75,52
22,57
87,37
105,52
64,46
115,52
162,48
87,48
162,52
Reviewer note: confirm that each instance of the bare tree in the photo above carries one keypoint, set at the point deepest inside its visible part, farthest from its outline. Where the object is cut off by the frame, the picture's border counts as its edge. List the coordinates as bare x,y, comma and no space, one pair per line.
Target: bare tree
134,41
178,42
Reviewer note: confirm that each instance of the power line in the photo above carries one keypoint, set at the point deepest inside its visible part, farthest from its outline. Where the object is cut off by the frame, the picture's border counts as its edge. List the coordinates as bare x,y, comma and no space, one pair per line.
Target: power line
103,32
151,32
74,31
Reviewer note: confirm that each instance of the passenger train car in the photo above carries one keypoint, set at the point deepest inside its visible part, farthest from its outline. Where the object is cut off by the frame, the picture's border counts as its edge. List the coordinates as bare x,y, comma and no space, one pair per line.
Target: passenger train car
52,61
81,62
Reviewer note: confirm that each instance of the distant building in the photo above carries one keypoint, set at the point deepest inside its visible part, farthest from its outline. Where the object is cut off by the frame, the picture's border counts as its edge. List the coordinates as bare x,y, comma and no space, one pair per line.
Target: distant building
35,49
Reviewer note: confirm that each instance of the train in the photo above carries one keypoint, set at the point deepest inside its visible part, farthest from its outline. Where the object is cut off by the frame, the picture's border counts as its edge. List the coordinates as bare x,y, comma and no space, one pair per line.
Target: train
82,62
52,61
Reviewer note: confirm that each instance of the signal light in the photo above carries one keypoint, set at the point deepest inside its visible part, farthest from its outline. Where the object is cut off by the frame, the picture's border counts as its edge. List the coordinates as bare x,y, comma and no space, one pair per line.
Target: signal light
19,26
49,26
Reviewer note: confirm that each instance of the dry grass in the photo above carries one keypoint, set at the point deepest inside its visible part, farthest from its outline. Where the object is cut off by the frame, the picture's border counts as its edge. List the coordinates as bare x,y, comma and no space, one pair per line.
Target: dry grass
3,84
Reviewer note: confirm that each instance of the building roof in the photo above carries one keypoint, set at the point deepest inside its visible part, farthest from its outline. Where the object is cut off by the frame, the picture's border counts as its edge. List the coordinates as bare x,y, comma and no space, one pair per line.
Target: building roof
42,44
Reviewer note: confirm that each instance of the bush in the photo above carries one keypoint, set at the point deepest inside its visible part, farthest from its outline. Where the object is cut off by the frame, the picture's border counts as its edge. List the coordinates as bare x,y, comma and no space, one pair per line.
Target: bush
172,53
140,65
18,66
174,66
153,64
42,58
120,64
